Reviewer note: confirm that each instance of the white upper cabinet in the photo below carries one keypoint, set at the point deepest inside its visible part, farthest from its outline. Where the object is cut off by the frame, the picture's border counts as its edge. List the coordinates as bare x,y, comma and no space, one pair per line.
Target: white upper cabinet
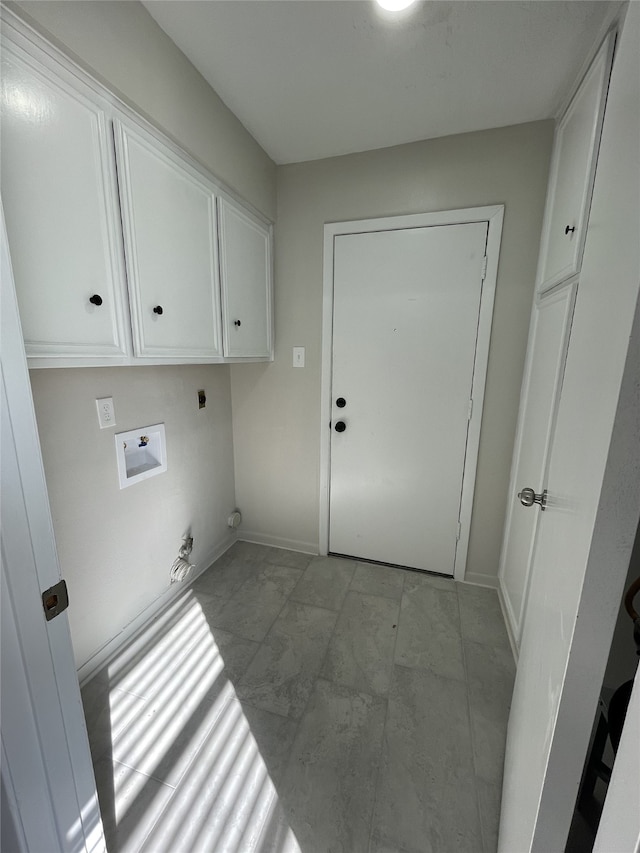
245,272
169,223
60,200
572,173
113,229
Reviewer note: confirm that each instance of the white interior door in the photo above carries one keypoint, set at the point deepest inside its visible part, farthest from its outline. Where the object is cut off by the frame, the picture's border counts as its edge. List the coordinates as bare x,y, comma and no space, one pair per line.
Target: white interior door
47,775
586,534
548,340
405,322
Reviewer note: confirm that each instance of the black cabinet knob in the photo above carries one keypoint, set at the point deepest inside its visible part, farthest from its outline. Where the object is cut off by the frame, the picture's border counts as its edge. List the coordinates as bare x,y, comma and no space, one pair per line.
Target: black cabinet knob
96,299
341,402
158,310
237,323
569,230
340,426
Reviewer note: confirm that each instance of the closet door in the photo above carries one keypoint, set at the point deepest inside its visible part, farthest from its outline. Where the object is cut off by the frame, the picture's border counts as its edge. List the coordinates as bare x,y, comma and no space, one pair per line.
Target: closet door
572,173
61,207
548,343
169,222
245,272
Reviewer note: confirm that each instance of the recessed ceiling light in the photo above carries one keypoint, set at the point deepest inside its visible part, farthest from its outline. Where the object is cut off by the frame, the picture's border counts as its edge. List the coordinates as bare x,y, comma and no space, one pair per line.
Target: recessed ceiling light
395,5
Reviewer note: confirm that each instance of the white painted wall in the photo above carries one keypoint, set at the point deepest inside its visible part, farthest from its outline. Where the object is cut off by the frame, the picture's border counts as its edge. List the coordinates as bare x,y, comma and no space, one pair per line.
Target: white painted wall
276,409
116,547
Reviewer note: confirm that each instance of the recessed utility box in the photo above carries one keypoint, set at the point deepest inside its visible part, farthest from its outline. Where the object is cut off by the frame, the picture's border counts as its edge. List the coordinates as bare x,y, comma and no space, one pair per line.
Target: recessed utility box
141,453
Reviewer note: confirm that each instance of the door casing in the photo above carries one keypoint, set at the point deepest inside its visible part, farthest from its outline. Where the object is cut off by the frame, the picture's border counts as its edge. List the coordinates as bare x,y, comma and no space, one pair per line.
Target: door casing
494,215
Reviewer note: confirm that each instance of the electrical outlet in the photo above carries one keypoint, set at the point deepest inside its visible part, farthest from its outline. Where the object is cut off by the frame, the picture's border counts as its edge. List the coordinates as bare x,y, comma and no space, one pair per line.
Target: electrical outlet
106,412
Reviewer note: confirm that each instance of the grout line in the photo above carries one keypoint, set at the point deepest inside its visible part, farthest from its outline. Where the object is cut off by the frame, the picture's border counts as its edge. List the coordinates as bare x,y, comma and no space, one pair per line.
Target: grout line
258,565
146,775
320,669
483,830
304,711
333,633
317,606
386,717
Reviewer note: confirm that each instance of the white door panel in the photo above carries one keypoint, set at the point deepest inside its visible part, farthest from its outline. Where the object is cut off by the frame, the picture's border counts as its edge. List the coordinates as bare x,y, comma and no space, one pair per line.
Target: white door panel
619,827
545,364
406,306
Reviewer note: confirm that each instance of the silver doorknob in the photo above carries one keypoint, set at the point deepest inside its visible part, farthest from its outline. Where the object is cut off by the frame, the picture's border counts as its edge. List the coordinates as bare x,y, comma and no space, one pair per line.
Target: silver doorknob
528,498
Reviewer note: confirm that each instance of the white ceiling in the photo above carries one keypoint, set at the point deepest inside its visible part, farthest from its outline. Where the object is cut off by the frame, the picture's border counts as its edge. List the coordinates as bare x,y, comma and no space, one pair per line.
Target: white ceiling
317,78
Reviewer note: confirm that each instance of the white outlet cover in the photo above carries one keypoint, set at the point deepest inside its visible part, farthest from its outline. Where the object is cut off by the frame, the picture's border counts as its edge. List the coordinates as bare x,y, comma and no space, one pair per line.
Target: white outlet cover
106,412
298,356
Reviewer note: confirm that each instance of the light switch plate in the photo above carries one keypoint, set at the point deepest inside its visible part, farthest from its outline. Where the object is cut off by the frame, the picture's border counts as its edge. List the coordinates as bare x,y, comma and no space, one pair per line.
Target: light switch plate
298,356
106,412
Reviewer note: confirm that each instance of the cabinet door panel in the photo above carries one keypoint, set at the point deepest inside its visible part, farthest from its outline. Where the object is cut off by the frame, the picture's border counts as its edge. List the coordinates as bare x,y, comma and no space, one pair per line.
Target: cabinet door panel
59,195
168,215
245,271
572,172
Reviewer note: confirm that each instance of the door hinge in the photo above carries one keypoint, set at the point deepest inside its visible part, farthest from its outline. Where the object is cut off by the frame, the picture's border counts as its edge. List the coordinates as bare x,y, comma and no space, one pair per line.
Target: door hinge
458,532
470,409
55,600
484,268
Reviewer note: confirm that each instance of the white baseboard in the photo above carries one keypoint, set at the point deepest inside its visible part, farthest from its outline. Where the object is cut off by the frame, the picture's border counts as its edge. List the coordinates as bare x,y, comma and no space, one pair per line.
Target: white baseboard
112,646
506,615
479,579
278,542
493,582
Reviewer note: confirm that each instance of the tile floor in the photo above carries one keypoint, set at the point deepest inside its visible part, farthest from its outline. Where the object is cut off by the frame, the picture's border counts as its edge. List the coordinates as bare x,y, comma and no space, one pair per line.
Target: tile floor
290,703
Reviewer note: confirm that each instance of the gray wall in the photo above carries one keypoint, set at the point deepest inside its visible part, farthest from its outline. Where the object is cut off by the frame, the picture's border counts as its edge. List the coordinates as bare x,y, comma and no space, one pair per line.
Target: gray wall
276,408
116,547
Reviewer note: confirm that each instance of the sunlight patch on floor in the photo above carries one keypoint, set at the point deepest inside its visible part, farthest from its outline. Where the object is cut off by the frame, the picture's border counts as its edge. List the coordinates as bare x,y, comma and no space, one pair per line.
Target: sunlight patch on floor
178,726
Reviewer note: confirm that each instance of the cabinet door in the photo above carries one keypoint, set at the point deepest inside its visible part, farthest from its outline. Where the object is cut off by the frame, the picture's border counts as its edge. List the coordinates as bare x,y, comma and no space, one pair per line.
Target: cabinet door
572,173
169,223
60,201
245,272
548,343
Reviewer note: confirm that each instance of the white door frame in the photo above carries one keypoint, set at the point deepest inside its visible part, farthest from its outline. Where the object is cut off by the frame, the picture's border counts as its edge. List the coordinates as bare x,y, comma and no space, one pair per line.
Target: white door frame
493,215
619,827
47,775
